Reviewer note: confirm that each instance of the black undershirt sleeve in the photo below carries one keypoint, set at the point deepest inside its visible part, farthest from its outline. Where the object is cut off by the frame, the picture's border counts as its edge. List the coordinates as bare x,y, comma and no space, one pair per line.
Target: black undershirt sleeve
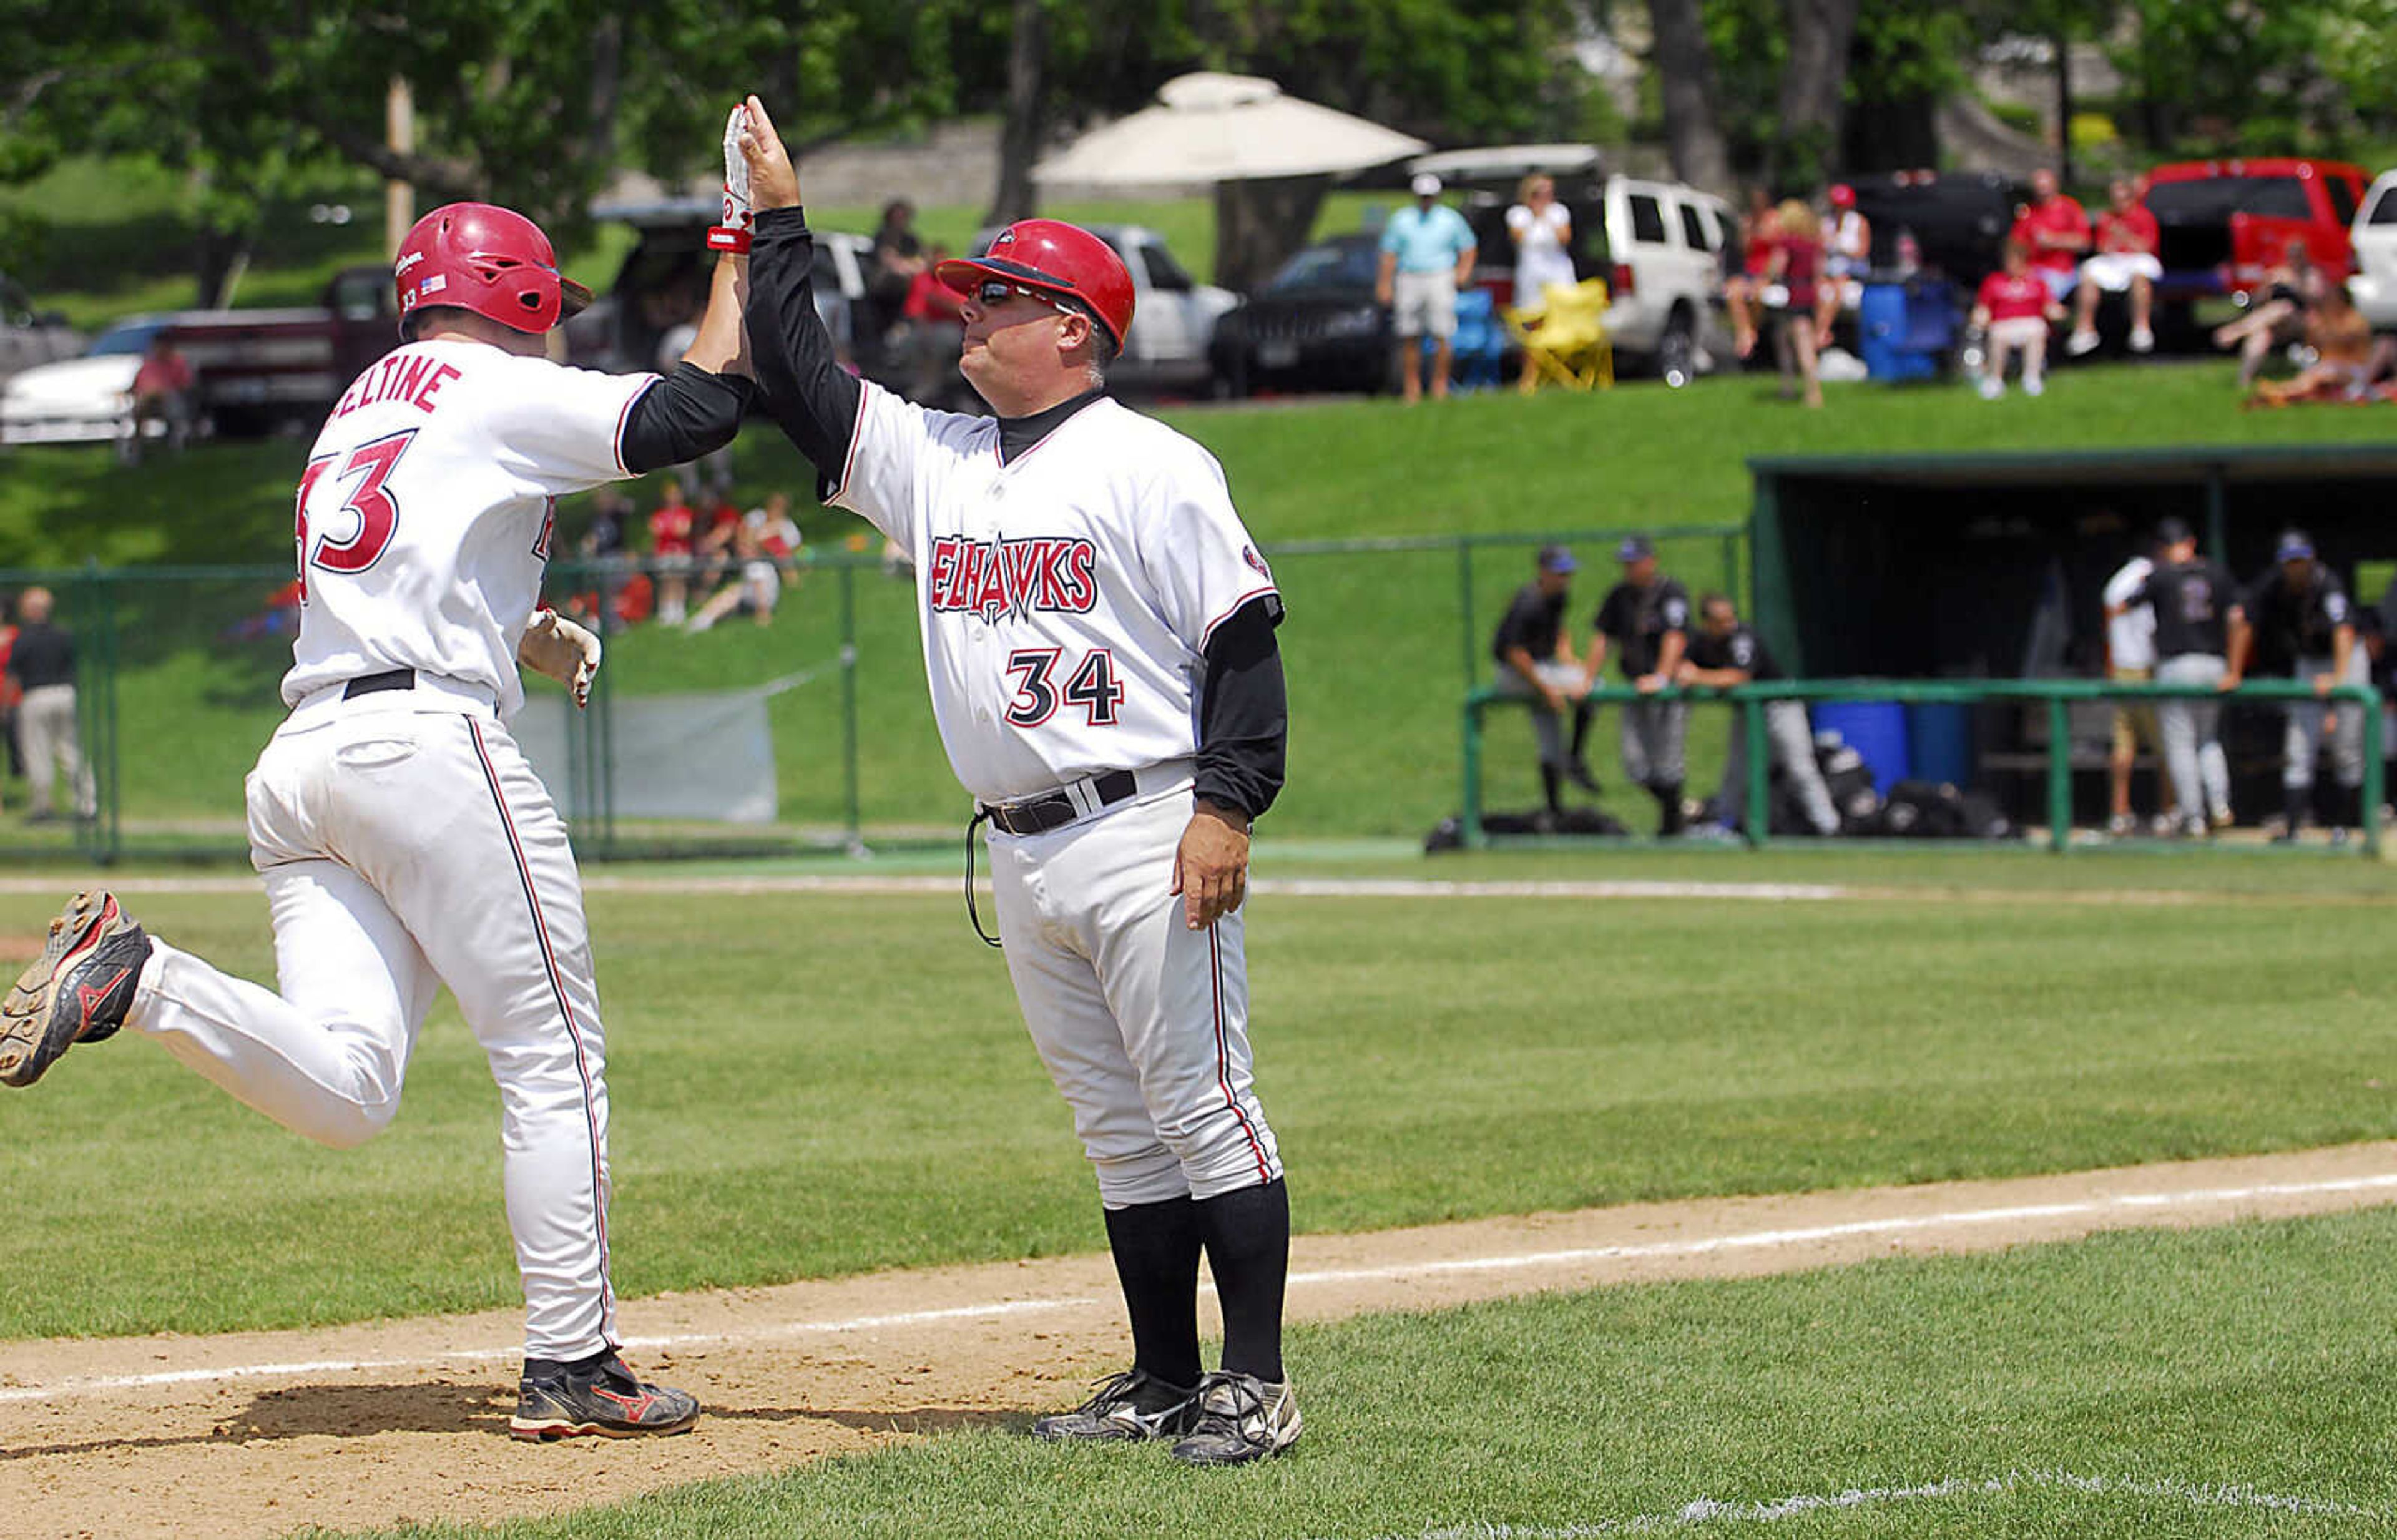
813,400
1243,714
689,413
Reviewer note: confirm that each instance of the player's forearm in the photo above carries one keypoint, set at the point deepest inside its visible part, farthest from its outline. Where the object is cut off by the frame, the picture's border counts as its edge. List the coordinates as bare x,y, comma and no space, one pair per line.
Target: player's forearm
814,399
1718,678
722,345
689,413
1243,715
1668,653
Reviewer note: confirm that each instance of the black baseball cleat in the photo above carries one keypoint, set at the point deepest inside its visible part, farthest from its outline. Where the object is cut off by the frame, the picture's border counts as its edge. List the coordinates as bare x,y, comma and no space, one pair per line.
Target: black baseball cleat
77,991
1240,1418
596,1395
1134,1404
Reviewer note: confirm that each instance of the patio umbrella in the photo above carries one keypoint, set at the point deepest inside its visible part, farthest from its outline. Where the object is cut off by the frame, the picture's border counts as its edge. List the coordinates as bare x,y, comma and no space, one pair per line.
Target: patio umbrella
1208,129
1269,157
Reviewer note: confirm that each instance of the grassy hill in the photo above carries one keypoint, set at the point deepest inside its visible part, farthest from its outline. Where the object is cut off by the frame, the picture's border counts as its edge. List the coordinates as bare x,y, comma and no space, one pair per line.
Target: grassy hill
1376,646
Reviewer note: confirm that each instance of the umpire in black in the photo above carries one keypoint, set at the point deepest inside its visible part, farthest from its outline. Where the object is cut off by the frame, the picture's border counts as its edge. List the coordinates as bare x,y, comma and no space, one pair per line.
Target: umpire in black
1645,620
1535,661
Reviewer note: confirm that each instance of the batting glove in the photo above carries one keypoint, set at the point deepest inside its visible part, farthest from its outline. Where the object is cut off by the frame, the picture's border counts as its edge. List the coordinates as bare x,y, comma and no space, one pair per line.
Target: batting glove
740,219
560,649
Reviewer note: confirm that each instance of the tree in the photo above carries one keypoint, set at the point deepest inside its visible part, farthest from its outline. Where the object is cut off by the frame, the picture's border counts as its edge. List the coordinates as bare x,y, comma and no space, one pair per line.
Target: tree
1685,70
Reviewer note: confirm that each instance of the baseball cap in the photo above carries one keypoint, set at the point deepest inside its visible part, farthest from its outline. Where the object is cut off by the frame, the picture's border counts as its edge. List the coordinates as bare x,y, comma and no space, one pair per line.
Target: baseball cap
1634,548
1843,196
2294,546
1556,558
1425,185
2171,531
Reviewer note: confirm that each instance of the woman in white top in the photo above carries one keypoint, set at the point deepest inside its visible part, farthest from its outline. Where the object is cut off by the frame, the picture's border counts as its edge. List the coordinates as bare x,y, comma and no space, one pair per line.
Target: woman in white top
1847,255
1543,234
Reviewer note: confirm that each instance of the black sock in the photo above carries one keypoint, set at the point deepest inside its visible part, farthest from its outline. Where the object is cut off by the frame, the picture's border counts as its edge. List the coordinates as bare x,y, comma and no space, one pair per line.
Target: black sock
1156,1246
2297,802
1668,806
1248,1250
1552,788
1582,714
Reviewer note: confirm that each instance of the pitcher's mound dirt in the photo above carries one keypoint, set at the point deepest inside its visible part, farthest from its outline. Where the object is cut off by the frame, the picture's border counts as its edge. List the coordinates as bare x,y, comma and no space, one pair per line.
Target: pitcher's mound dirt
262,1433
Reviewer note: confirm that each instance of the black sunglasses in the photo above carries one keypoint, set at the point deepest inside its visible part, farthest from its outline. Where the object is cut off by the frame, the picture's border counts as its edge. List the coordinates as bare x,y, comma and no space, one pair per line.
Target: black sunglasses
993,292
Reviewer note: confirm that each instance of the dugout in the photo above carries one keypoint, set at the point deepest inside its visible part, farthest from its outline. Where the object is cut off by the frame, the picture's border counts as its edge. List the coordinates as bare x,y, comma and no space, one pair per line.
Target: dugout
1992,566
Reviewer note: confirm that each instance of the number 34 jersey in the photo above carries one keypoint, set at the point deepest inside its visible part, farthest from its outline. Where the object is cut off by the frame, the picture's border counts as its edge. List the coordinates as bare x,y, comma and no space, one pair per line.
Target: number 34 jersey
1067,596
425,513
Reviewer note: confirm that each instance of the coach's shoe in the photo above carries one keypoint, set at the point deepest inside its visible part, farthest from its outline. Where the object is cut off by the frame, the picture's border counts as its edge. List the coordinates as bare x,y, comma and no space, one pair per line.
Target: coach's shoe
1134,1404
1240,1418
599,1394
77,991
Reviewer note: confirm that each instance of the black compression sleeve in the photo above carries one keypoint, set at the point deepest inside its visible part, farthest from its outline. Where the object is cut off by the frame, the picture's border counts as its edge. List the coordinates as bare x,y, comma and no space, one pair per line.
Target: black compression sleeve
810,395
689,413
1243,713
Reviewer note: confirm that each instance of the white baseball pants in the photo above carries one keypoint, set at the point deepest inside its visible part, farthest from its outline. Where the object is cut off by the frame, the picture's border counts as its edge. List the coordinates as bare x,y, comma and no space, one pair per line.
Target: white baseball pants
405,843
1142,1021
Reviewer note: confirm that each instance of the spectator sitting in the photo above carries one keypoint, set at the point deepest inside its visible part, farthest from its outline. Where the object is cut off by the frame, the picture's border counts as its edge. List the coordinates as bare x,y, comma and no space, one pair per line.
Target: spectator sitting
716,521
1724,653
764,542
1847,257
2291,289
2054,230
2012,310
1743,291
2125,264
670,543
1535,661
1796,265
2343,348
162,392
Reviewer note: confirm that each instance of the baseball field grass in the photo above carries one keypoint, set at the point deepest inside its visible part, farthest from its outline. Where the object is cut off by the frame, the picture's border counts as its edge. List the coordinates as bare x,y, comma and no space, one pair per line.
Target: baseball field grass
808,1084
2227,1382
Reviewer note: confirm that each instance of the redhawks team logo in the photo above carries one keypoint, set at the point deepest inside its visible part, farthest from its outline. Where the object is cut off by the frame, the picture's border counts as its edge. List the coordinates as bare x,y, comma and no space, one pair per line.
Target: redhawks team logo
1013,577
1249,554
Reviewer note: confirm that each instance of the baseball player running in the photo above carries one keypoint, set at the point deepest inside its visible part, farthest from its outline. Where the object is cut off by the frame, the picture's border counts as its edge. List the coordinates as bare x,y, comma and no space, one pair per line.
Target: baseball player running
404,842
1099,638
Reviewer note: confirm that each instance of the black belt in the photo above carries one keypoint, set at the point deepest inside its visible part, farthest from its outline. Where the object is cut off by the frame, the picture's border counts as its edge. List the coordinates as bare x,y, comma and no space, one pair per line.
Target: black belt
368,684
1055,810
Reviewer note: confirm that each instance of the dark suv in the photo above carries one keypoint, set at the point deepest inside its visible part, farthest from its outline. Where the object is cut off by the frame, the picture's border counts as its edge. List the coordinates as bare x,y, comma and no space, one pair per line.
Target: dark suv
1314,325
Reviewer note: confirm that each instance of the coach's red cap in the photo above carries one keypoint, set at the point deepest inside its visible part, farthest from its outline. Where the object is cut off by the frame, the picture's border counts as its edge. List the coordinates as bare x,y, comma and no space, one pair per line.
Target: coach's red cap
1055,258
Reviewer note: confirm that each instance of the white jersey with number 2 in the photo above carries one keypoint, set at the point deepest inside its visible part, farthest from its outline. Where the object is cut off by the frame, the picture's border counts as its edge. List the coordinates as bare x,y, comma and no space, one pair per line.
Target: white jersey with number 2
1068,596
425,512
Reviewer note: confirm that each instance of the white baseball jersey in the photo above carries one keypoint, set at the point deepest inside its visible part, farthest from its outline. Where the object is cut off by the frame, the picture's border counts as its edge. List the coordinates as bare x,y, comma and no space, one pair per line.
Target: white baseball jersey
425,514
2131,636
1066,598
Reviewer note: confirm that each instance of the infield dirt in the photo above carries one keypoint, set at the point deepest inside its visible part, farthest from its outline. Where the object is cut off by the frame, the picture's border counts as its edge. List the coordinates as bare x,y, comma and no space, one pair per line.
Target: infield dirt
262,1433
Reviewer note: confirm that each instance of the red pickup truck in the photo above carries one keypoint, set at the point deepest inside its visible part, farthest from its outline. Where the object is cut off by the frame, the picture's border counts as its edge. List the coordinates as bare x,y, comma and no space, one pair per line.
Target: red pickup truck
2224,223
259,369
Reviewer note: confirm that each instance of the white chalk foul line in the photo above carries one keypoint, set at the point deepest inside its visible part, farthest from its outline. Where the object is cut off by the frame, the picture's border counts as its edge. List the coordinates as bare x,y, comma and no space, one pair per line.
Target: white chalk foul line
1001,1309
1706,1511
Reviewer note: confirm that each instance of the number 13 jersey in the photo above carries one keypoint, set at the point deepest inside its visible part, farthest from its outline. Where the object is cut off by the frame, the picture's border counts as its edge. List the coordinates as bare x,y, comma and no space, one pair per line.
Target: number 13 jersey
425,514
1066,596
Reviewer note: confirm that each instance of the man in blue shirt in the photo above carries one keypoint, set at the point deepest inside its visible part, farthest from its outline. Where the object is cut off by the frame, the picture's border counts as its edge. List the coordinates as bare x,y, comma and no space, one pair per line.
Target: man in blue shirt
1426,256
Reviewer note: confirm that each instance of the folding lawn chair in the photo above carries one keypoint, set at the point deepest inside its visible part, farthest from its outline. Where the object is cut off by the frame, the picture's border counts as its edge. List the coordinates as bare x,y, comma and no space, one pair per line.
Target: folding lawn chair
1566,340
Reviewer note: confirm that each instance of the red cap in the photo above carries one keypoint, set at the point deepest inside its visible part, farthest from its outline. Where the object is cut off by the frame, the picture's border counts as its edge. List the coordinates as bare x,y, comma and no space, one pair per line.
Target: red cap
1054,257
1843,196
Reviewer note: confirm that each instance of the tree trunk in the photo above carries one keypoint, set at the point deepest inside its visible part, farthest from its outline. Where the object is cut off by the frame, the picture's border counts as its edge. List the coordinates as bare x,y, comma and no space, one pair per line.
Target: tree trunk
1685,71
1019,141
2063,108
1813,83
1260,223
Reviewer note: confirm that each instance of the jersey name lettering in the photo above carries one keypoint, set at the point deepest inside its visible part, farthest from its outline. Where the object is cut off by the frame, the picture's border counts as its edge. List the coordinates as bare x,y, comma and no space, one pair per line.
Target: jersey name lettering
1013,577
415,380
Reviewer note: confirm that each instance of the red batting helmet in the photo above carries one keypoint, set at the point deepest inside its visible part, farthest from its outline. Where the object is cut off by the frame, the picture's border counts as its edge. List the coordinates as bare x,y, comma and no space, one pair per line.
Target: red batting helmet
1054,257
486,259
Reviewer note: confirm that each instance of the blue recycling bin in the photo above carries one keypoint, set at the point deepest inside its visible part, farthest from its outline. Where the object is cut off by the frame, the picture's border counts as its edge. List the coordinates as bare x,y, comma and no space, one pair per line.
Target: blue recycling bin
1877,730
1906,331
